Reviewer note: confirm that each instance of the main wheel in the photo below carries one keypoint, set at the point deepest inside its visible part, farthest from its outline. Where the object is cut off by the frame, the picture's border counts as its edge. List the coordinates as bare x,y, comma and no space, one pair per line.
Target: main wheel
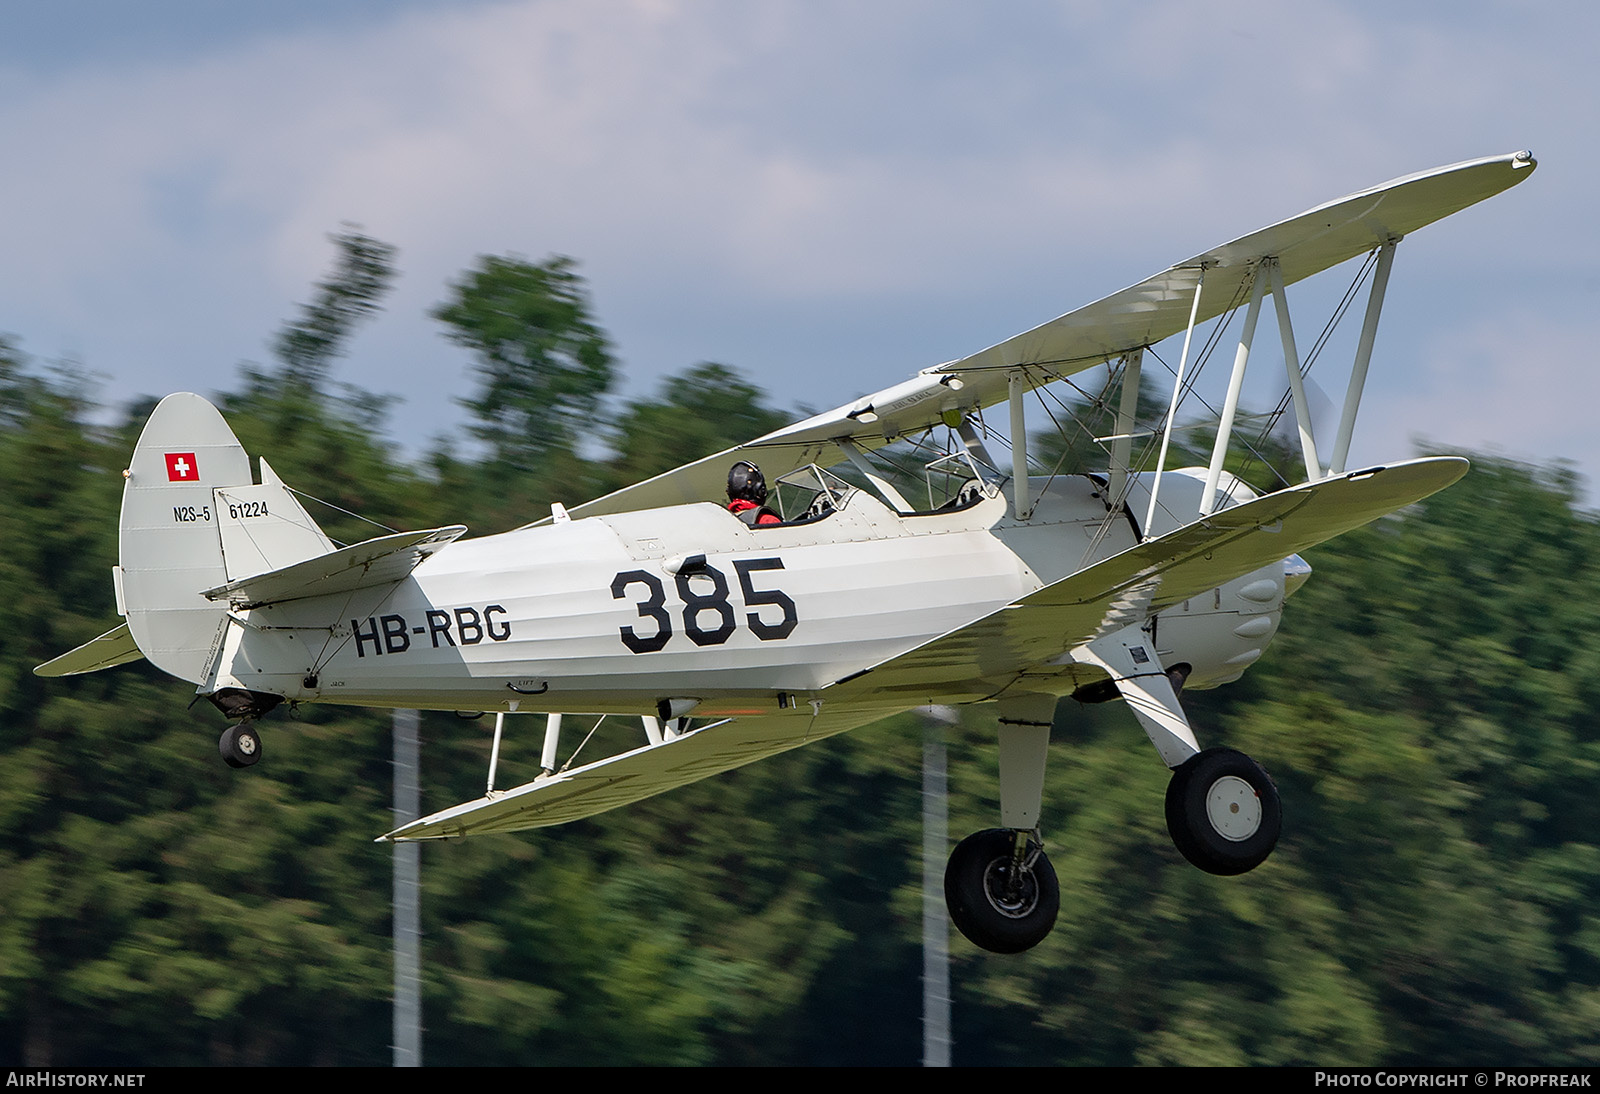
995,909
240,746
1223,811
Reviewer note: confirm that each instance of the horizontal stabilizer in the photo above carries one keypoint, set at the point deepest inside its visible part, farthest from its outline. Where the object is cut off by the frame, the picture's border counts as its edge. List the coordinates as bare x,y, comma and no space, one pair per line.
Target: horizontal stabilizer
380,561
115,647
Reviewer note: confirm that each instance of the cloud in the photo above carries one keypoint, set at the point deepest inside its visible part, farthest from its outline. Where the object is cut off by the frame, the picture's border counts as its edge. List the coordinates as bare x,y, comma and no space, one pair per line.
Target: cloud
826,194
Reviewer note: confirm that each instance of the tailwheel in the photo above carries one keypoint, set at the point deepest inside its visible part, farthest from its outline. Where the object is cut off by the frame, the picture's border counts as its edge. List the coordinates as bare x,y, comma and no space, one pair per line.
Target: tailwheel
240,745
1002,892
1223,811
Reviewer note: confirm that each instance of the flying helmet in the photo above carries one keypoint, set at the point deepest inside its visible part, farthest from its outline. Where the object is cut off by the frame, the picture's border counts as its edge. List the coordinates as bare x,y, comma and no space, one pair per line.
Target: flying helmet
746,483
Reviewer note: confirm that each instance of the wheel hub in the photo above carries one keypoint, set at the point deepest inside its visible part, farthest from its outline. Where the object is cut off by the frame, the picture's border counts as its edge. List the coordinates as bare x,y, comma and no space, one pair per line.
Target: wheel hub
1013,898
1233,808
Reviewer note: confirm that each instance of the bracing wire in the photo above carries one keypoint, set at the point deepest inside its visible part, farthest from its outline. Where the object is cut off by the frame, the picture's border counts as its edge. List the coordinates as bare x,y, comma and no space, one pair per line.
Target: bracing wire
336,508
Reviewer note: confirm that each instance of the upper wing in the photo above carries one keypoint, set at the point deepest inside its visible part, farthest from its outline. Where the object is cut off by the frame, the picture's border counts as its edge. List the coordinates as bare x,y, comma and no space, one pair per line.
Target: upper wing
1140,315
987,654
1316,240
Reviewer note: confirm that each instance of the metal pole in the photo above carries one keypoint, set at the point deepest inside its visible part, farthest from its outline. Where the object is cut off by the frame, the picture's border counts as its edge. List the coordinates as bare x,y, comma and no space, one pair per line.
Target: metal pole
974,446
1019,447
494,750
853,453
407,895
935,925
552,739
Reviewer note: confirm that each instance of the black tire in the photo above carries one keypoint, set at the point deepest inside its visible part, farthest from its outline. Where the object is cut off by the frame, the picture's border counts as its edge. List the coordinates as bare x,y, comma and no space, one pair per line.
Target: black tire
1223,812
240,746
975,884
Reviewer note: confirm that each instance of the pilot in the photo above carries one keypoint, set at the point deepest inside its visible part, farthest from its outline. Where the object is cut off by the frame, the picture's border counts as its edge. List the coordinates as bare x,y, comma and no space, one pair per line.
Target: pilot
747,495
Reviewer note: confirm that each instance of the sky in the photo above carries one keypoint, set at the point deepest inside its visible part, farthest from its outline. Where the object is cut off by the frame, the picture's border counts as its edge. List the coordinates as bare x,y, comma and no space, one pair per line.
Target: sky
825,195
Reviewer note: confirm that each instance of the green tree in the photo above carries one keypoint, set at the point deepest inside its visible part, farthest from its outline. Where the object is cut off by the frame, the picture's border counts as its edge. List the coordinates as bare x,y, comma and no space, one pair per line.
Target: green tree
542,362
362,276
307,346
704,409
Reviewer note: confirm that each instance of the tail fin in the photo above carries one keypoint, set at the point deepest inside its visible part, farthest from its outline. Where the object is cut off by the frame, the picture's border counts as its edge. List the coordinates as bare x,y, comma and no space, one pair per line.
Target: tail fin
193,519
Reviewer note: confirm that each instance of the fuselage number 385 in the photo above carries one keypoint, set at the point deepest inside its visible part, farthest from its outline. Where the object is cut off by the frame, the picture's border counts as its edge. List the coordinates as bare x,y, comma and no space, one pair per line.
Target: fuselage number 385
708,616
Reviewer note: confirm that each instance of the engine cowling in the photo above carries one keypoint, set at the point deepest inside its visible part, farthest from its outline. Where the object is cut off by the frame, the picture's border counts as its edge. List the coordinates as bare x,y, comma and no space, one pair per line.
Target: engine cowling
1221,633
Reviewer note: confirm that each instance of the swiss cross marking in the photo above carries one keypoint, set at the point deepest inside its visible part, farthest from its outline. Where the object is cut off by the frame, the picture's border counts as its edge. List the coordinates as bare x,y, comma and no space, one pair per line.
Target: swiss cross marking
181,467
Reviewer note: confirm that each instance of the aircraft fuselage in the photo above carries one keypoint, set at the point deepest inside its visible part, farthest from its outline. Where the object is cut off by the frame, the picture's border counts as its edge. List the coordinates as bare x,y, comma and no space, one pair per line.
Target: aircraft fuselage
614,613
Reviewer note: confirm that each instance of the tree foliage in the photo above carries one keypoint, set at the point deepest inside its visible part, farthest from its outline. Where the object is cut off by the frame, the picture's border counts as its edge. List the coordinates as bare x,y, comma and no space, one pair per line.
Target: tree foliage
362,275
541,360
705,409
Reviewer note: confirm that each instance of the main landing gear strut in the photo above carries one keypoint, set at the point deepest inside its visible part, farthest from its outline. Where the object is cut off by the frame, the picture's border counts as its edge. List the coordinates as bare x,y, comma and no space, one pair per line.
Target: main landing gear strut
999,885
1223,811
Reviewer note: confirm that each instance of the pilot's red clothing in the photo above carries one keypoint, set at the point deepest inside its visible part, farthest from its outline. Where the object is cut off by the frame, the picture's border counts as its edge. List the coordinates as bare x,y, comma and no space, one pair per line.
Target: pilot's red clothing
739,505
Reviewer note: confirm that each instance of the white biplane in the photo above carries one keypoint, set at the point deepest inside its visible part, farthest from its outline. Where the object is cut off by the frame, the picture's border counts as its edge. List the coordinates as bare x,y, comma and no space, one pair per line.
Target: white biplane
735,641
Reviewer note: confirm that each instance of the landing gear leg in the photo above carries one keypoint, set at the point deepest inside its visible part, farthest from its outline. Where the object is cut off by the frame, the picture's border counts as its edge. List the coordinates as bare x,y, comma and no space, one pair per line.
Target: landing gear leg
1223,811
1130,659
240,745
999,885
